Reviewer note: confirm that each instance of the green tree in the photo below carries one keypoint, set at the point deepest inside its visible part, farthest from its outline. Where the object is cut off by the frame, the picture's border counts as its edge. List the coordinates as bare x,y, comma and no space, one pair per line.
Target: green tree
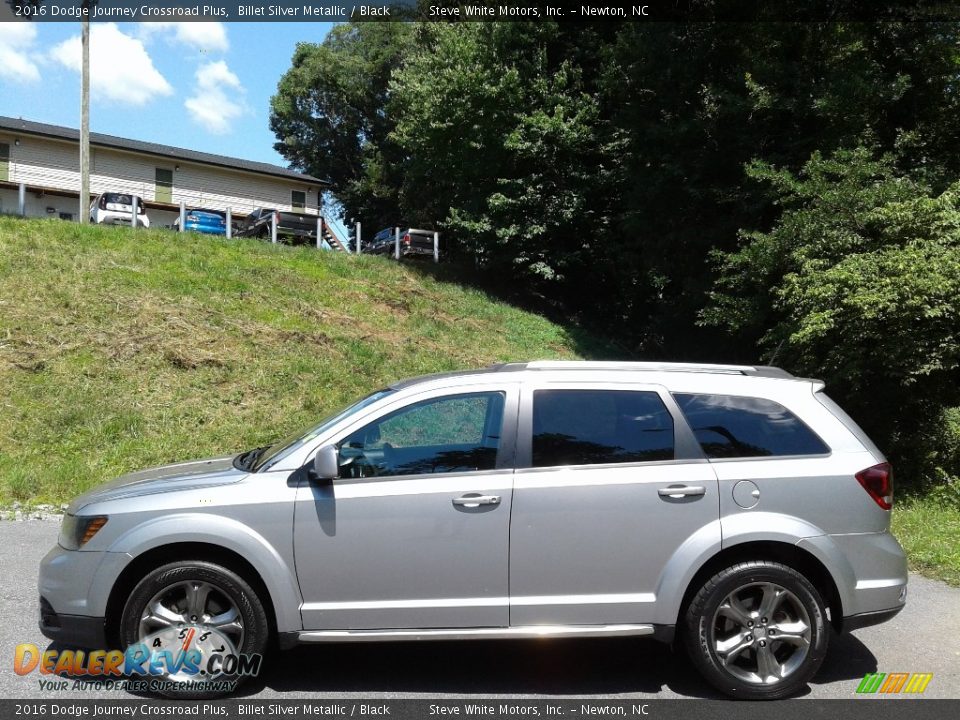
690,105
858,282
329,114
594,167
501,148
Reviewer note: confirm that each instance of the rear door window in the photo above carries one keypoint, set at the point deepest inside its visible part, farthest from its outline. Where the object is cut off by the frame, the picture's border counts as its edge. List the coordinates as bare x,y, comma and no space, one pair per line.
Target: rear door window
728,426
591,427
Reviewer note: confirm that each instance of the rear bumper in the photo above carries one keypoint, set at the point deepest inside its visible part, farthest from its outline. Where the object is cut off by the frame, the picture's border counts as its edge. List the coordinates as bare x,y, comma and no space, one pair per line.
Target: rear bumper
115,218
869,570
390,249
206,229
414,250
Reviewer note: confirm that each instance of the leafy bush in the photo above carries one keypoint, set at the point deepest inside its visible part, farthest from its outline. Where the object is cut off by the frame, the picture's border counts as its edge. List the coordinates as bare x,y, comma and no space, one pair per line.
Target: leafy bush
858,282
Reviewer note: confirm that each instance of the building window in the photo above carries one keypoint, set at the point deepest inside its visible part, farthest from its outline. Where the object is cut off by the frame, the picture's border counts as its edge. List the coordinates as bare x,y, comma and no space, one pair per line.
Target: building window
164,186
299,201
4,162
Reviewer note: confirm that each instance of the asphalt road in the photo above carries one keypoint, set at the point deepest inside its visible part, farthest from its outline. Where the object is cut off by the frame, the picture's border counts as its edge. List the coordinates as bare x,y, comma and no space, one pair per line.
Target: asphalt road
925,637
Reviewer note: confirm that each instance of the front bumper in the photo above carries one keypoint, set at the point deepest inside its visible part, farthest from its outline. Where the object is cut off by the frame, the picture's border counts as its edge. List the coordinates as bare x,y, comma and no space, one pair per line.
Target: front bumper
77,631
74,589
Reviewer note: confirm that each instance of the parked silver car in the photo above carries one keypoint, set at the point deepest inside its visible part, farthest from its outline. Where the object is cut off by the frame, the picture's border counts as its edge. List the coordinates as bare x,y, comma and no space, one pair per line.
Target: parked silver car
735,507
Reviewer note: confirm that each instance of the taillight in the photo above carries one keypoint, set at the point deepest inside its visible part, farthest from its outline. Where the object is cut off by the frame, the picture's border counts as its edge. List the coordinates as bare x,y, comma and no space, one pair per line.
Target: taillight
406,239
878,482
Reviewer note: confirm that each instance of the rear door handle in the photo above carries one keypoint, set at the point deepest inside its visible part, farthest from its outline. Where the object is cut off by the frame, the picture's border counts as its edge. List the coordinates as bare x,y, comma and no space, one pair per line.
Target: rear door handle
682,491
473,500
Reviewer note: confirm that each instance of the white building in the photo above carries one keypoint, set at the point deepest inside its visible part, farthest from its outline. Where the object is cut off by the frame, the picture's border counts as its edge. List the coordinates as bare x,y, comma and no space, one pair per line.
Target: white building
46,159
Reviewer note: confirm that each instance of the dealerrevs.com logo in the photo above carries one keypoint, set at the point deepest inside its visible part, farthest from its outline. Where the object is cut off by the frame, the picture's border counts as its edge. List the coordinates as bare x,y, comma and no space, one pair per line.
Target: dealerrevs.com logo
893,683
184,657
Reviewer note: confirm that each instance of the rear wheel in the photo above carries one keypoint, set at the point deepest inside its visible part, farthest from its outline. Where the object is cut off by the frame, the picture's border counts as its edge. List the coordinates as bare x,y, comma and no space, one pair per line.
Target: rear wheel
195,606
757,630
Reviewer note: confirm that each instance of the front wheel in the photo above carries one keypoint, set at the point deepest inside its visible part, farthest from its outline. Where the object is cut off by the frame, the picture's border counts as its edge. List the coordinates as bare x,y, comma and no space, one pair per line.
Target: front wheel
198,629
757,631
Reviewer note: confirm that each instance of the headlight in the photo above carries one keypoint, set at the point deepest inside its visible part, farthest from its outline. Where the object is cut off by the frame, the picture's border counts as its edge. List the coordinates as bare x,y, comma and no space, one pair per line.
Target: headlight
76,531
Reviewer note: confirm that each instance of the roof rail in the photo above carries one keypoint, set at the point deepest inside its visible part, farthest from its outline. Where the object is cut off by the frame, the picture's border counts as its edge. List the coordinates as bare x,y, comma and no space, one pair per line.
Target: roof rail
752,370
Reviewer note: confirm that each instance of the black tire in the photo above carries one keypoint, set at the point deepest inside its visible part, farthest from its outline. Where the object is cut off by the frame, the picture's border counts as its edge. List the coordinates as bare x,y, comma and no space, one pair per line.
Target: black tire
727,633
228,586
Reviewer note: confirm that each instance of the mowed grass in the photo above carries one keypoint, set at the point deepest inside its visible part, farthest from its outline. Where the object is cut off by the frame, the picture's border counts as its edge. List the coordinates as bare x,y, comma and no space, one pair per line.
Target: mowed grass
120,350
929,531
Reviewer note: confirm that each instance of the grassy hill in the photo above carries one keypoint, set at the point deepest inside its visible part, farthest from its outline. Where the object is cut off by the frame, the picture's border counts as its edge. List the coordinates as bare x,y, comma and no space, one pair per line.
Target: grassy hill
122,349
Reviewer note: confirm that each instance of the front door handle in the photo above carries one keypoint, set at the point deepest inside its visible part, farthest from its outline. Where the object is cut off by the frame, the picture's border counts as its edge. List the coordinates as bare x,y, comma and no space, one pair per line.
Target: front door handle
680,491
473,500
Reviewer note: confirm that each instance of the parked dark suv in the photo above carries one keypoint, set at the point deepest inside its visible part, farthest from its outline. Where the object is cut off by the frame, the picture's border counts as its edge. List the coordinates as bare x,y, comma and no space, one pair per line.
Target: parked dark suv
413,243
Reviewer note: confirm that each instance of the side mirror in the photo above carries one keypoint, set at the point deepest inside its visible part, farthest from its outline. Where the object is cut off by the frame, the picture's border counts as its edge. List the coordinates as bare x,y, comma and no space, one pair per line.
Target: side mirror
326,464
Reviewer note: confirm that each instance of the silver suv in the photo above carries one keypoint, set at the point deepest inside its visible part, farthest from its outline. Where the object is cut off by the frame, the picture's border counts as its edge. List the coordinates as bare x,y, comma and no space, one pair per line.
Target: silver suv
736,508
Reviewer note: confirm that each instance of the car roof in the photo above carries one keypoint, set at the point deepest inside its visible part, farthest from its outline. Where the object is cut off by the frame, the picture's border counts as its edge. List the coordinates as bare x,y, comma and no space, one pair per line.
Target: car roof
573,366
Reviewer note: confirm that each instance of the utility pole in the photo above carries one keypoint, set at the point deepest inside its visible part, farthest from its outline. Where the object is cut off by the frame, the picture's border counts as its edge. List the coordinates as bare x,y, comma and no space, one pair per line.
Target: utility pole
85,115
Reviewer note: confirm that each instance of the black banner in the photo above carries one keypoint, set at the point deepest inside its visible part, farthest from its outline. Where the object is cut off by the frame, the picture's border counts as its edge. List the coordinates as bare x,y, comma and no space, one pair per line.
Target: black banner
859,709
480,11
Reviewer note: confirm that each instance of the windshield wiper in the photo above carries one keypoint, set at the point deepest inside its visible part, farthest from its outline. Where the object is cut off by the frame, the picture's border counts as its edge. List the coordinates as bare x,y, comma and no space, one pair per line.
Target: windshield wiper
245,461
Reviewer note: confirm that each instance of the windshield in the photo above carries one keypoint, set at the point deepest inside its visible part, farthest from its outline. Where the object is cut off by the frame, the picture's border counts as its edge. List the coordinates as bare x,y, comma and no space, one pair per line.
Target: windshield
282,448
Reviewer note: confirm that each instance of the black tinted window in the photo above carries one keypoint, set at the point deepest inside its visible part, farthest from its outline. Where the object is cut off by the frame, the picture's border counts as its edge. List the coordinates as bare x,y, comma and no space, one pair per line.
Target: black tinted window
587,427
457,433
728,426
120,199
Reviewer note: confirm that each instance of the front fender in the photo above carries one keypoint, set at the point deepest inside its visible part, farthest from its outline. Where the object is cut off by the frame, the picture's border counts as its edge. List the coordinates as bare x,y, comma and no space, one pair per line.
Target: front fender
277,575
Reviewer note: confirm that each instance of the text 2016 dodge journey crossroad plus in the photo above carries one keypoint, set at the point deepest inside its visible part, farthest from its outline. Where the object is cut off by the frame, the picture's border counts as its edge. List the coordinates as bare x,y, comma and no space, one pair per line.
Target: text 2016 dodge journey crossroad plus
736,508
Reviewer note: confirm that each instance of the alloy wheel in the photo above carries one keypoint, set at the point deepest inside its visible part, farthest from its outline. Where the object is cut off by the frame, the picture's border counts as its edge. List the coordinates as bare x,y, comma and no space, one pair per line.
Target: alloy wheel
761,633
193,602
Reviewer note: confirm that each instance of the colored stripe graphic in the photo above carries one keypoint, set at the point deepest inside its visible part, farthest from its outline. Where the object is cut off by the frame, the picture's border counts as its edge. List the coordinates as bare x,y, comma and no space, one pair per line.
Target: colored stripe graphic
918,682
870,682
894,682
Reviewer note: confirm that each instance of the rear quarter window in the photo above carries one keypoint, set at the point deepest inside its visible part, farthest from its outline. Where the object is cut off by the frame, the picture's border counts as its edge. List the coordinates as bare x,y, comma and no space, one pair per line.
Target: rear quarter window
728,426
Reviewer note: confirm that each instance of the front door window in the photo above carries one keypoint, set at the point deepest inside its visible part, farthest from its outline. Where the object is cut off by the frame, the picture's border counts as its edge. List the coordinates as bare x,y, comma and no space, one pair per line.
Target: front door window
458,433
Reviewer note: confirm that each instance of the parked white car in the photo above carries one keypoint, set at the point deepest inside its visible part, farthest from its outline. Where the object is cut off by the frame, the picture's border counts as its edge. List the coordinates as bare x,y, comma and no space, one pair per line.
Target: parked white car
115,209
